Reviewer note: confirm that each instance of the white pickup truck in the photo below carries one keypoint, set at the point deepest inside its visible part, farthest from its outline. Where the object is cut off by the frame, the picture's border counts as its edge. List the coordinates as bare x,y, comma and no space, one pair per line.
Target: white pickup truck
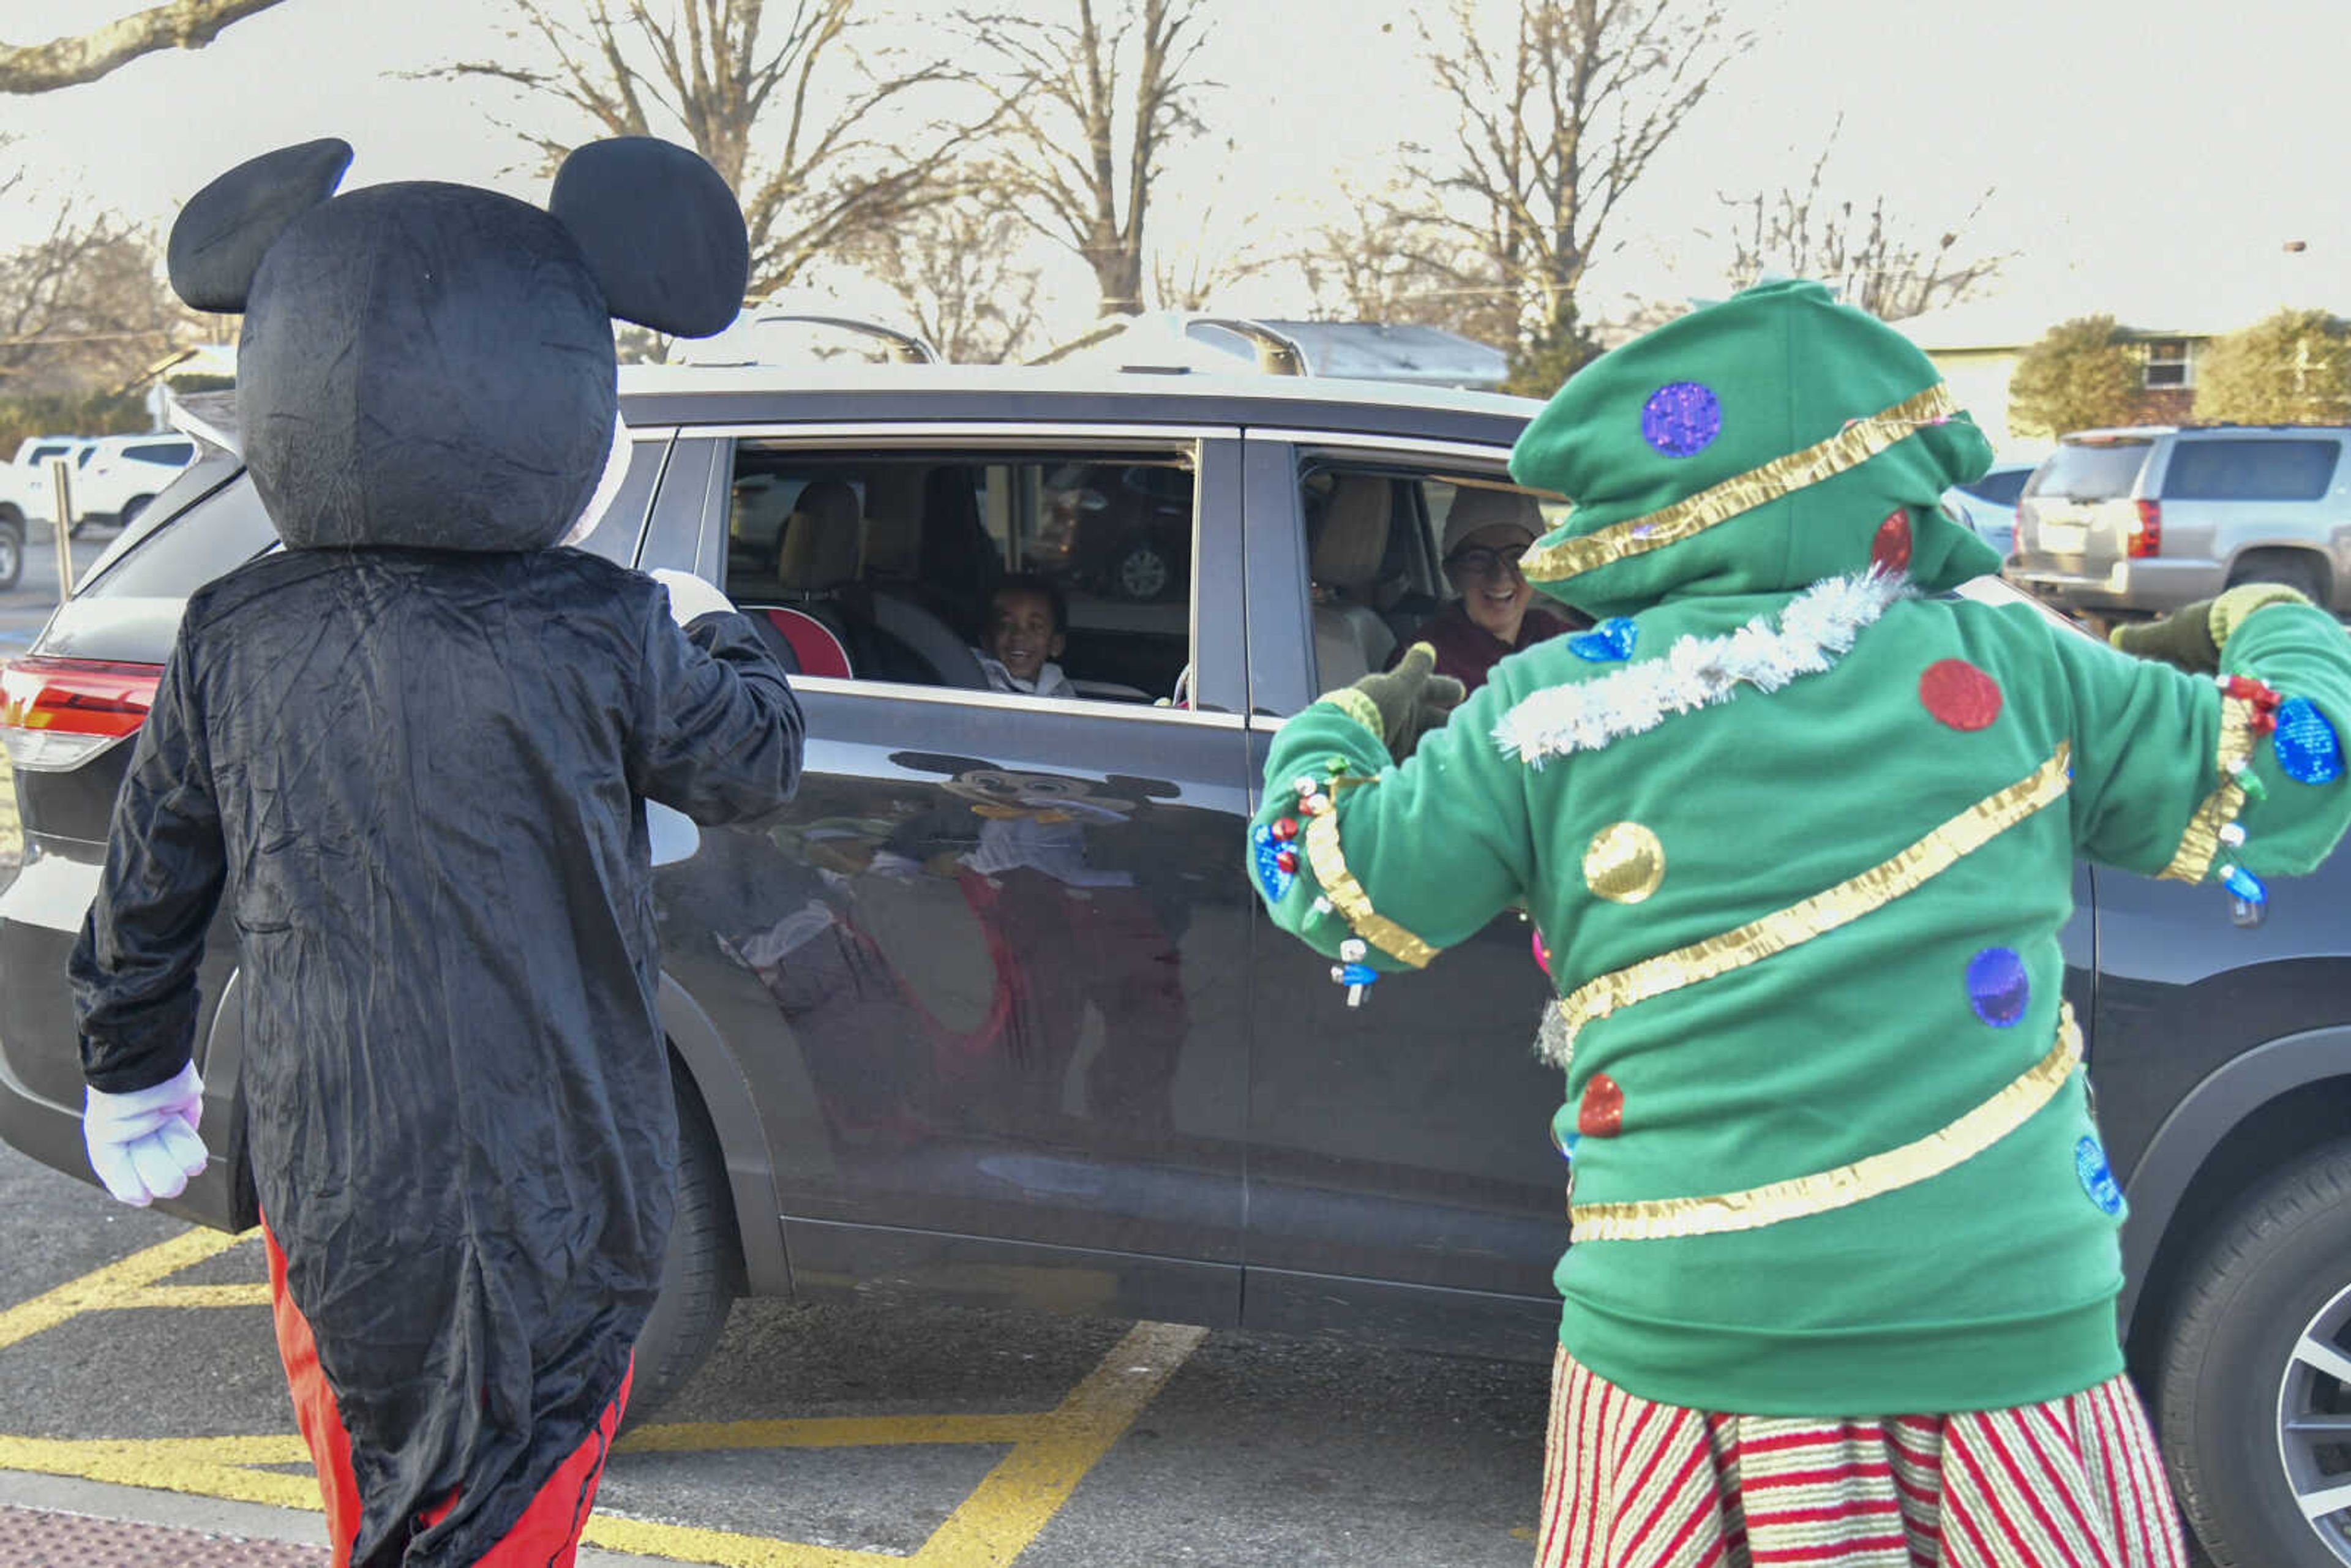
114,476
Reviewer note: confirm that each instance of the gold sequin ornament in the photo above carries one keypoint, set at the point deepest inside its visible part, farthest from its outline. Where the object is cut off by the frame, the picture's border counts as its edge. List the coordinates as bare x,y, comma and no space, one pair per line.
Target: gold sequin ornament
1624,863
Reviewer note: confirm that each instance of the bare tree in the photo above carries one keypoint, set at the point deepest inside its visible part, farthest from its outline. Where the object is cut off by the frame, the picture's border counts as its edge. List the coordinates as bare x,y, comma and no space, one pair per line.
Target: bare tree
1088,113
798,120
1858,248
1557,121
957,271
80,58
1386,260
83,309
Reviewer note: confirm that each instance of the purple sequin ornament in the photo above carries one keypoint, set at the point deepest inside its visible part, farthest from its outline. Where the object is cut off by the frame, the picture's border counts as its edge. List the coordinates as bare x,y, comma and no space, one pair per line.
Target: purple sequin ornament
1997,987
1681,418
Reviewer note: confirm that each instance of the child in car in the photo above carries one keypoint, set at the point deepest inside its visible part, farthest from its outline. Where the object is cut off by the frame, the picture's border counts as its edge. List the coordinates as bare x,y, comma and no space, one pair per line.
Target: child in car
1028,623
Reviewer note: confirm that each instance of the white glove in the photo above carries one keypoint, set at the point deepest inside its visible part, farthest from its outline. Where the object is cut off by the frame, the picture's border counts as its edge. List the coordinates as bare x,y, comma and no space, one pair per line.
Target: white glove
143,1144
690,598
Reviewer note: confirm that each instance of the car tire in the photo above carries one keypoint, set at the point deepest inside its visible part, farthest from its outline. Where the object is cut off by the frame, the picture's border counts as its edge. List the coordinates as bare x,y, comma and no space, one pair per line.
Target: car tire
12,553
701,1273
2287,566
2246,1396
1141,571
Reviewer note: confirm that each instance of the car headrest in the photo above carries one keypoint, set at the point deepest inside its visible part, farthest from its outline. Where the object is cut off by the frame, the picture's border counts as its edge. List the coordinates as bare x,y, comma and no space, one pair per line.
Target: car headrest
822,546
1354,537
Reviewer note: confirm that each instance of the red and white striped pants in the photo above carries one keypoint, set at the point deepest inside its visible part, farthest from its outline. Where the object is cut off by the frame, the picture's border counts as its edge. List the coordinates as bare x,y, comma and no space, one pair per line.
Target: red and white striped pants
2075,1483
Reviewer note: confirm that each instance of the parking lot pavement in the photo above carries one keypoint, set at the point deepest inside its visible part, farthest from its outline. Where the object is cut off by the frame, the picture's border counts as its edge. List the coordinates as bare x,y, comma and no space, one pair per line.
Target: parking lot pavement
138,1382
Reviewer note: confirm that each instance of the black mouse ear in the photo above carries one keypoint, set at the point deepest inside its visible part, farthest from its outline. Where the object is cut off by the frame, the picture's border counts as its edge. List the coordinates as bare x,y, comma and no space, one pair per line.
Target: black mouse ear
662,232
220,236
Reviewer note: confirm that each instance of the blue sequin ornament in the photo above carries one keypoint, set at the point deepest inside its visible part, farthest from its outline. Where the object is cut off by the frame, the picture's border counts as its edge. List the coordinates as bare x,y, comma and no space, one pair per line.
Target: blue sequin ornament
2307,748
2097,1177
1563,1135
1265,852
2244,885
1997,987
1681,418
1610,641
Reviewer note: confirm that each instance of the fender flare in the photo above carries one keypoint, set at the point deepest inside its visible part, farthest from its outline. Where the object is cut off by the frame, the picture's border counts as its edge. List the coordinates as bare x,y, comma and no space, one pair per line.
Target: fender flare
734,1117
2205,1116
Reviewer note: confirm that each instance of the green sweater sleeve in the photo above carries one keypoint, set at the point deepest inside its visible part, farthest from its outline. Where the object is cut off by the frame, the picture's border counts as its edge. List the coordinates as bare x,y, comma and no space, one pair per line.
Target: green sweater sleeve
2156,784
1408,859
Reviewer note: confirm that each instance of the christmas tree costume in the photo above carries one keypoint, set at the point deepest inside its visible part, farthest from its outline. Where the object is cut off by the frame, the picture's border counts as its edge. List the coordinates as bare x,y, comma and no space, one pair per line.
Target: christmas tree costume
1799,830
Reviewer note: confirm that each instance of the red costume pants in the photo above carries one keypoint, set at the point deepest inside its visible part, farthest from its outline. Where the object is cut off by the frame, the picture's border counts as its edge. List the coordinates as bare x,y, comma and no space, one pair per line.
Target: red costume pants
547,1534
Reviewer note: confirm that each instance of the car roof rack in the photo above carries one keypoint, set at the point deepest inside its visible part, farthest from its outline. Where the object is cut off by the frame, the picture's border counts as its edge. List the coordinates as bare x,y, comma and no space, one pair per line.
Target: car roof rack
901,347
1178,342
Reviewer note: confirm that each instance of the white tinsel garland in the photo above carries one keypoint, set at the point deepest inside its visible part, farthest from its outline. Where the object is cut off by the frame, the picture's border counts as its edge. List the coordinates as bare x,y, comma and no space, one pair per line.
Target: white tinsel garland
1817,626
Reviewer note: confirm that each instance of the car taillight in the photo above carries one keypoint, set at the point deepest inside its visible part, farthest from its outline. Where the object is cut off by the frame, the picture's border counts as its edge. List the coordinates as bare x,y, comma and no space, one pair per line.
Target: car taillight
58,713
2146,533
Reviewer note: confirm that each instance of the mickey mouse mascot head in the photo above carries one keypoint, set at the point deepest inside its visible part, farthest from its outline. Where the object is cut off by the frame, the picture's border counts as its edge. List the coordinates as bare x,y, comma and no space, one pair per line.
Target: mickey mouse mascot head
411,755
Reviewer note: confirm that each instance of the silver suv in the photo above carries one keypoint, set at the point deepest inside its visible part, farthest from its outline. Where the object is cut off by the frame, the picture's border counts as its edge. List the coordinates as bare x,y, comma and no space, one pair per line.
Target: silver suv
2146,519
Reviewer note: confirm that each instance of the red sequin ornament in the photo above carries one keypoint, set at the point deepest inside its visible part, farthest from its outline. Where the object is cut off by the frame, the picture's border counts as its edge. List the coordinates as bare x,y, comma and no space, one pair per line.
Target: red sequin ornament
1959,694
1601,1113
1890,550
1285,827
1287,859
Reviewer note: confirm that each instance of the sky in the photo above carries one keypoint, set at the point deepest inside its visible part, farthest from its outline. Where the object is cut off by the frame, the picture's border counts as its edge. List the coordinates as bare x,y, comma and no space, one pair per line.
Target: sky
2141,154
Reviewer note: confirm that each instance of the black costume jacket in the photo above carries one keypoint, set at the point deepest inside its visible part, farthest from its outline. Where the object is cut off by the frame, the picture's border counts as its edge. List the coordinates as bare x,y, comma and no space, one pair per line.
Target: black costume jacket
418,777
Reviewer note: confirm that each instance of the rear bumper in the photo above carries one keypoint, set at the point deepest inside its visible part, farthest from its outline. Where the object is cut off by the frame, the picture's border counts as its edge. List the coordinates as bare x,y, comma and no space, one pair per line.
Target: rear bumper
2152,583
40,1066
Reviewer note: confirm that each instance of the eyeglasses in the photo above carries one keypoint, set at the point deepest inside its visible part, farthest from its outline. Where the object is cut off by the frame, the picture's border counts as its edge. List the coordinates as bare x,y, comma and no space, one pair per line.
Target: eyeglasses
1483,564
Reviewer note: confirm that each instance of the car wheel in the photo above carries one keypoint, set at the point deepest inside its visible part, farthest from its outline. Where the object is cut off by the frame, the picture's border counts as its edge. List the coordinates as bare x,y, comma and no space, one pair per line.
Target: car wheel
2256,1384
2288,567
699,1275
130,508
1141,571
12,554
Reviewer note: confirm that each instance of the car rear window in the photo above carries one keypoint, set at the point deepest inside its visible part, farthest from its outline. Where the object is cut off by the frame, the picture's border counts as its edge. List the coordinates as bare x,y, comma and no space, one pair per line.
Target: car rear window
2251,470
218,533
1999,489
2090,470
160,452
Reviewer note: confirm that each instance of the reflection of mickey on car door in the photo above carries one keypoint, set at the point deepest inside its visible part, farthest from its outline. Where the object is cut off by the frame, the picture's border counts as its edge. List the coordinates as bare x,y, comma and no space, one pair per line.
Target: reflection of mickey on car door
1066,932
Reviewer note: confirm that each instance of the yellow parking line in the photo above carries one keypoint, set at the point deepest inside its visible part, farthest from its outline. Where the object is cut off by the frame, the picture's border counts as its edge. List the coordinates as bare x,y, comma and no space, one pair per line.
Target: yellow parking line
831,1432
108,1287
1051,1452
206,1466
1022,1494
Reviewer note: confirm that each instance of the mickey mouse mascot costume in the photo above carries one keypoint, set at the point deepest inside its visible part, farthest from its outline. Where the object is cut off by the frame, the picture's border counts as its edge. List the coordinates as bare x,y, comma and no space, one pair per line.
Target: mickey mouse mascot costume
411,754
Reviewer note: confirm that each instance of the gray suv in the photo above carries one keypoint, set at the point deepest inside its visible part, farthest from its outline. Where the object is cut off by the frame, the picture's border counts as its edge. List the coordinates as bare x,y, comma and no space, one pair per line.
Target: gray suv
2140,520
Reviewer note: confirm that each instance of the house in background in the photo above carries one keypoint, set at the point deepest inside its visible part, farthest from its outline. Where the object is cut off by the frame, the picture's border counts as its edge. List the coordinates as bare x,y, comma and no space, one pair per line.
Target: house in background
2170,313
1976,346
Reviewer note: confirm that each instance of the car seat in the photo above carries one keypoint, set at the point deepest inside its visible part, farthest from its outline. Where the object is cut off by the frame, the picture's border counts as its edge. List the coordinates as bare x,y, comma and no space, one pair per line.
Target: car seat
816,566
1350,640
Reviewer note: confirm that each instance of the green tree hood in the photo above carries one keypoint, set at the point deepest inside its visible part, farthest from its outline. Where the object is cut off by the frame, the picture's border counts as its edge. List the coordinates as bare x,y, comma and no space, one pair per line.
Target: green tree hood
1765,378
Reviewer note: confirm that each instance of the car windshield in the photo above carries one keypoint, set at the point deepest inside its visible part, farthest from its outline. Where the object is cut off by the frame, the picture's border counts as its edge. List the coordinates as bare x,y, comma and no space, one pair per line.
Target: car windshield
2091,470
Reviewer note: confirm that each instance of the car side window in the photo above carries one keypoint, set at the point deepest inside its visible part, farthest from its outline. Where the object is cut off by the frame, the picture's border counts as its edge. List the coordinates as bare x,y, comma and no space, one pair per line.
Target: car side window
1049,572
2251,470
1374,534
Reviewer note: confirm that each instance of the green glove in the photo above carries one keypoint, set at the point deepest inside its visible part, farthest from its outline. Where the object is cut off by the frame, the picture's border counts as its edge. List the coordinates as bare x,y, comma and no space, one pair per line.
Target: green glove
1408,701
2193,635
